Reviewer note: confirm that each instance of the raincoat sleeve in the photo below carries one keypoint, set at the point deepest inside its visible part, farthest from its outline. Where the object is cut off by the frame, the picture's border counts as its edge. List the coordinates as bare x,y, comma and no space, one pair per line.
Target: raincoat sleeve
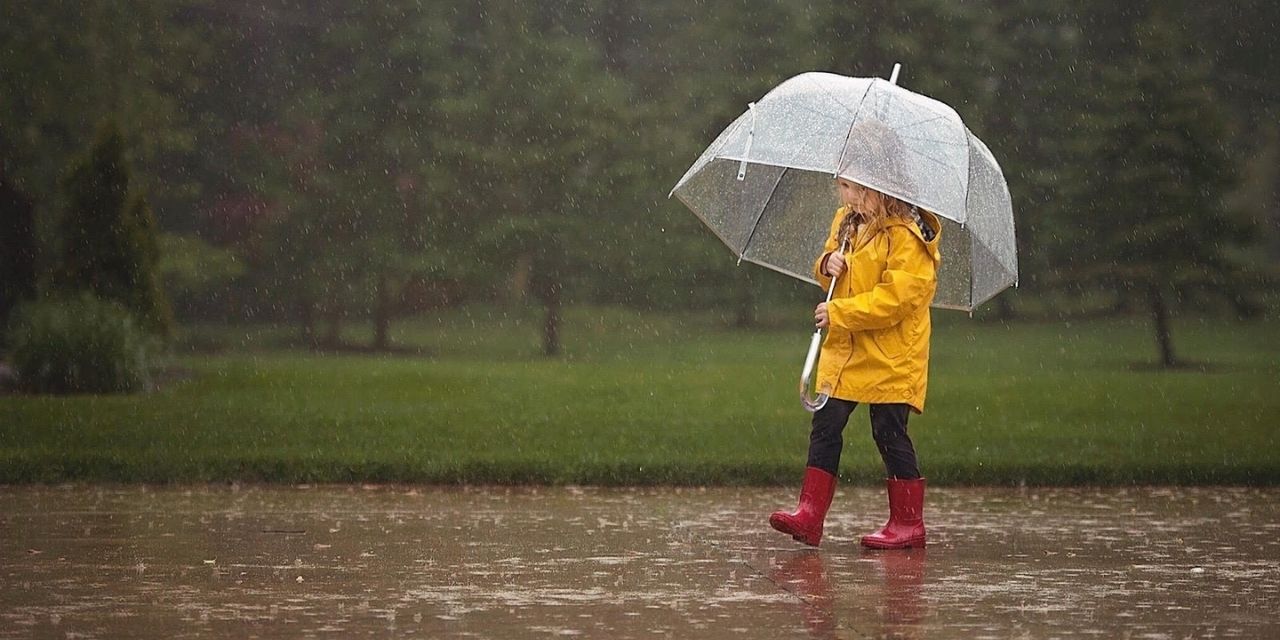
909,280
823,279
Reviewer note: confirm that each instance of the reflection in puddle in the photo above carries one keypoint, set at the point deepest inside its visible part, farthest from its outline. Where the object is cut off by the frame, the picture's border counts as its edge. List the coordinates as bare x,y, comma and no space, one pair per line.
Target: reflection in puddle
804,575
892,589
536,562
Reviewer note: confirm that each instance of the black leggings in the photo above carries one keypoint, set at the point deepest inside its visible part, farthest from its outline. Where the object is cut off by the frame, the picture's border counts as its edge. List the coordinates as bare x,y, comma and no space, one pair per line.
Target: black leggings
888,427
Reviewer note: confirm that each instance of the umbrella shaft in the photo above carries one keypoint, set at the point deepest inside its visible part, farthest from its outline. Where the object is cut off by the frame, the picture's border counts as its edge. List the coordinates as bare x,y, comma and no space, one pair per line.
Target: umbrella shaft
831,288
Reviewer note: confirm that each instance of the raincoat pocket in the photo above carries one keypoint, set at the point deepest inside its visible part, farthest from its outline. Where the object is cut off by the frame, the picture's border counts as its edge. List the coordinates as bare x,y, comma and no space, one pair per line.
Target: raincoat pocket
890,340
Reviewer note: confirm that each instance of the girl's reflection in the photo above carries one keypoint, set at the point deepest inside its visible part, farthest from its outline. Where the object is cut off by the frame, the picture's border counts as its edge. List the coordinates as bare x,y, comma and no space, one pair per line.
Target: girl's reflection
902,578
803,575
898,576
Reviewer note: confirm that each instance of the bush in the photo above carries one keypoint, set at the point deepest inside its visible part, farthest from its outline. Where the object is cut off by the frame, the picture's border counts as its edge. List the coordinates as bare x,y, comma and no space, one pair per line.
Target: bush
78,344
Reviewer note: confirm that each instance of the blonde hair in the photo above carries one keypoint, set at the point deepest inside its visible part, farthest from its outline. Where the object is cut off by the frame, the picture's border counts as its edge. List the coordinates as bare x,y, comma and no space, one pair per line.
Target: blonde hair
882,207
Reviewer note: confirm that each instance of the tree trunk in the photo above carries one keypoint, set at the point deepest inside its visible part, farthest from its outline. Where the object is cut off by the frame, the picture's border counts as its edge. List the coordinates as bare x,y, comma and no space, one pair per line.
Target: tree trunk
382,315
307,318
1160,316
746,307
333,337
521,275
551,326
18,247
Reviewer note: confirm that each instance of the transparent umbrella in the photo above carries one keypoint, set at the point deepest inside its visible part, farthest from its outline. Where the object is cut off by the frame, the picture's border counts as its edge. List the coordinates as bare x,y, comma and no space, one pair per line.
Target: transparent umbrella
764,186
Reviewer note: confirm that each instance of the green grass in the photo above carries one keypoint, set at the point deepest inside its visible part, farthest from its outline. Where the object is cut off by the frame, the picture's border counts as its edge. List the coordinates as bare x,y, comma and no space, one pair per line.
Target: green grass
682,399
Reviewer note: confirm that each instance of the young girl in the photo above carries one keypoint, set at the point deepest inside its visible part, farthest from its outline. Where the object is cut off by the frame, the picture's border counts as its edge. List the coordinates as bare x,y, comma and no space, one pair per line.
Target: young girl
876,352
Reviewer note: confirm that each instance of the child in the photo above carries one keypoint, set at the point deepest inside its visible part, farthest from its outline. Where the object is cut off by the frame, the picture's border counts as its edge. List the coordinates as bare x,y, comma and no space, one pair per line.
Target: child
876,352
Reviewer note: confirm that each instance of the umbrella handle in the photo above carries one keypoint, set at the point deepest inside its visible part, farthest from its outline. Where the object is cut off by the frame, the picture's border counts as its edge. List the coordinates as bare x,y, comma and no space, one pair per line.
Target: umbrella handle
811,404
814,403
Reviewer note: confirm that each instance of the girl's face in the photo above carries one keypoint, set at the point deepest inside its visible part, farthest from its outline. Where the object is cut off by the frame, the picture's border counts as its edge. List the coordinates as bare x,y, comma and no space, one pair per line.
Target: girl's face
851,194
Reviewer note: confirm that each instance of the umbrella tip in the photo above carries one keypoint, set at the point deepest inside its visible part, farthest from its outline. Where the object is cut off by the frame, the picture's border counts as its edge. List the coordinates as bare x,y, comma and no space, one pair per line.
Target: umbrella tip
893,76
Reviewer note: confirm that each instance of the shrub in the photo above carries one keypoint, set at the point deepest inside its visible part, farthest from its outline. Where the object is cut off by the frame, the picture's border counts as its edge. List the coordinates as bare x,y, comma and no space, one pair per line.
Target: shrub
78,344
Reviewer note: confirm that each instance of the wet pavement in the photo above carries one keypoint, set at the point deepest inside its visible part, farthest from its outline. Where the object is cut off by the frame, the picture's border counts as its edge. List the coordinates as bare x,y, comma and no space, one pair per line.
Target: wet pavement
91,562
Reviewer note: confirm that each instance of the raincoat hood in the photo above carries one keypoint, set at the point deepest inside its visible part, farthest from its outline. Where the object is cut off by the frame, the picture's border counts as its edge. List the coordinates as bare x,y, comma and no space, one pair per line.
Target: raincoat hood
931,245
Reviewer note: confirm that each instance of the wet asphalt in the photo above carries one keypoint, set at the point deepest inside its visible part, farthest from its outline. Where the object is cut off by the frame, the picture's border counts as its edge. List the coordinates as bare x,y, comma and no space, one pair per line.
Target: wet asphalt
497,562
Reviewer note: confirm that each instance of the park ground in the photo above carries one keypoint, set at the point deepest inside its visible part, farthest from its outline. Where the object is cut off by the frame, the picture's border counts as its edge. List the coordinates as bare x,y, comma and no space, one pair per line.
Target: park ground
275,561
661,399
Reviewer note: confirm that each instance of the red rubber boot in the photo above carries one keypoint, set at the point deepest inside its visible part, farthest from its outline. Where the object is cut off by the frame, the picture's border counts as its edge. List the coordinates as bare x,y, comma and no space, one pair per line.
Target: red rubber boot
905,528
805,524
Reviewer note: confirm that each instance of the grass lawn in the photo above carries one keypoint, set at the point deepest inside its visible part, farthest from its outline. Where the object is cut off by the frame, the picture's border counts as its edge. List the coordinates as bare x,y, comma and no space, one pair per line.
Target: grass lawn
652,398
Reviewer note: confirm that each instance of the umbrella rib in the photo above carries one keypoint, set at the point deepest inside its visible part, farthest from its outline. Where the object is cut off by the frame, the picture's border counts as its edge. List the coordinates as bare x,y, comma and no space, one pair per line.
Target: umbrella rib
920,122
710,154
844,148
931,158
990,247
783,270
973,237
747,245
939,163
706,223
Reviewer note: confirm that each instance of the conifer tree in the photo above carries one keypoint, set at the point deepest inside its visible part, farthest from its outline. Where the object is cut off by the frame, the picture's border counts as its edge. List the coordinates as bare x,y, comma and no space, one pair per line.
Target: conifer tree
17,248
108,234
1158,171
531,132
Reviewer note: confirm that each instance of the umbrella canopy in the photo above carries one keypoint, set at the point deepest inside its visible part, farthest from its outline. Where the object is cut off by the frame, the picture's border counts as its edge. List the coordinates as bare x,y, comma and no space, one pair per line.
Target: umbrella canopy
765,185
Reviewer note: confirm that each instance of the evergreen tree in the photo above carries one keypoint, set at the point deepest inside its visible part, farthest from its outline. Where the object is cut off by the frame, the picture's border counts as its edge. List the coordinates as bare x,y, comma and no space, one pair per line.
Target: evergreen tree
146,295
528,139
360,219
1153,200
17,249
108,234
1020,94
691,69
63,63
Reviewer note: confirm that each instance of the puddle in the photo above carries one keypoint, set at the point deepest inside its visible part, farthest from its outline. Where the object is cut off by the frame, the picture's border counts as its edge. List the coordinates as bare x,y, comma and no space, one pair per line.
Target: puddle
92,562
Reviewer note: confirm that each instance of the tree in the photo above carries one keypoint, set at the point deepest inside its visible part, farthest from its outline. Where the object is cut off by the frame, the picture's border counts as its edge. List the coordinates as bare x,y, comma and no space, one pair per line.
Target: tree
349,167
64,63
1016,88
108,234
529,138
1155,142
1259,194
379,121
17,249
690,70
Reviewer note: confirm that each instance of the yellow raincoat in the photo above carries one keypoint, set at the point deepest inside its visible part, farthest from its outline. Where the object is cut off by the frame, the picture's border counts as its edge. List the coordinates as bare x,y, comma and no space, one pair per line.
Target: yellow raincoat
877,345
